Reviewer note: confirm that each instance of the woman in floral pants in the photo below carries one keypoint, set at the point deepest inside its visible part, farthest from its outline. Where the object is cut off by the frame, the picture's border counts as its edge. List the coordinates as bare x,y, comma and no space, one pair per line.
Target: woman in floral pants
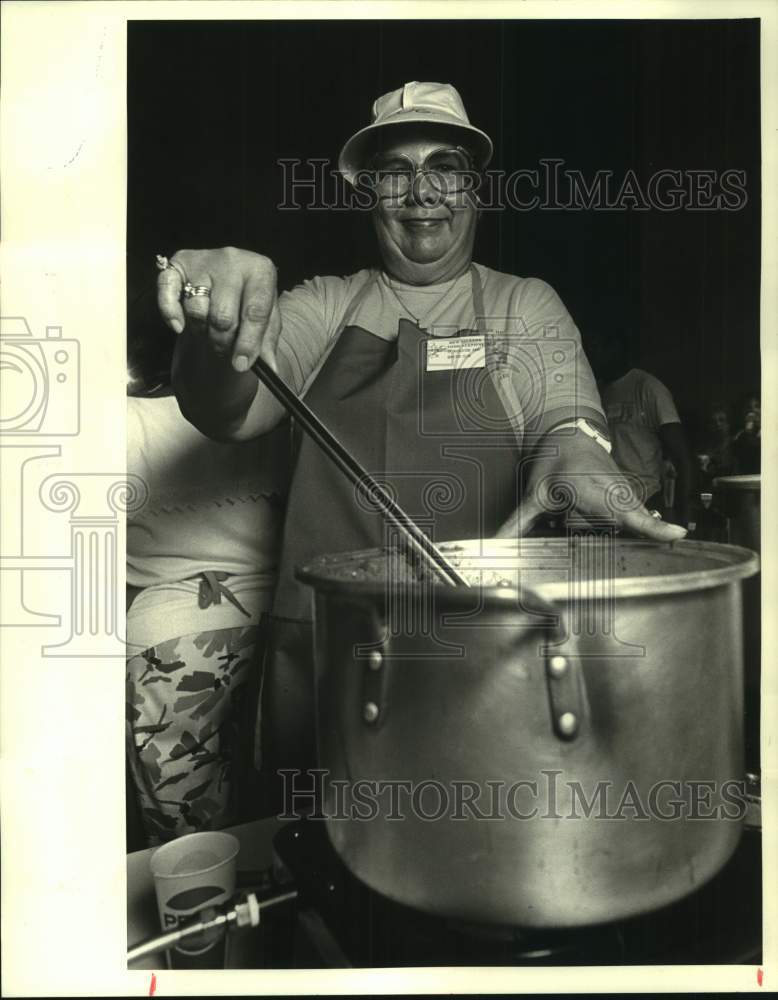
201,564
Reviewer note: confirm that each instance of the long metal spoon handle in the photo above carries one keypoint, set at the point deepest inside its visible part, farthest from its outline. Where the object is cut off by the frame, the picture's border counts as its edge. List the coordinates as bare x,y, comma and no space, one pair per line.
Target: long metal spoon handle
412,536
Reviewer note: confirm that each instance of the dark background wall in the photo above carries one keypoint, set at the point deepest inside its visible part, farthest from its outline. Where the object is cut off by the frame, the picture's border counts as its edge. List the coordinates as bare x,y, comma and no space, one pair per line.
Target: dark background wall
212,106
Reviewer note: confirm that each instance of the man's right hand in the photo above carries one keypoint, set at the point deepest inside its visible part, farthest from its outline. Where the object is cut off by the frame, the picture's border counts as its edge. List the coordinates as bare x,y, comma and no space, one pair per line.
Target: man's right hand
240,319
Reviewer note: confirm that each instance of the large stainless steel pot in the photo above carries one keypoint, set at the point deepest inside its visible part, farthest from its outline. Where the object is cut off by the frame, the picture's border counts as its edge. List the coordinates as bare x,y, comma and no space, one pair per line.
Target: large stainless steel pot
616,666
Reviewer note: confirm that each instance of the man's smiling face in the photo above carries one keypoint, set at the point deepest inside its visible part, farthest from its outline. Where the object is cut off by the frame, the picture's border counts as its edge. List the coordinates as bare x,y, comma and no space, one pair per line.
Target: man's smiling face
425,235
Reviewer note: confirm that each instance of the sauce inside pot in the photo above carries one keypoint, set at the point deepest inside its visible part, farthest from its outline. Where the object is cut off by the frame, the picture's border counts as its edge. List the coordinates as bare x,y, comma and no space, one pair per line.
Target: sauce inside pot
550,565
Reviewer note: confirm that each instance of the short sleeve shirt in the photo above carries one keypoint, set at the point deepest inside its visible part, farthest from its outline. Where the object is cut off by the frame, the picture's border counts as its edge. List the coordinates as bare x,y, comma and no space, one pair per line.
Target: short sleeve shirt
533,348
209,506
637,405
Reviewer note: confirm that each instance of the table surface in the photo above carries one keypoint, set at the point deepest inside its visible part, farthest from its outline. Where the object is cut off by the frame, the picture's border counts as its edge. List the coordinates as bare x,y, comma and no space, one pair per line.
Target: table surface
256,853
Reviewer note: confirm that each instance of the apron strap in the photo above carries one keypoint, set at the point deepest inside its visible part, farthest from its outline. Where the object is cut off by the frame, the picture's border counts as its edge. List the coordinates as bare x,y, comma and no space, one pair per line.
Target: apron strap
351,308
478,299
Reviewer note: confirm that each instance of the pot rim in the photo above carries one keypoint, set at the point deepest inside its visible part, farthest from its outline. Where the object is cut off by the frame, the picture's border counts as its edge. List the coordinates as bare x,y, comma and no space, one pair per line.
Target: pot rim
738,563
749,483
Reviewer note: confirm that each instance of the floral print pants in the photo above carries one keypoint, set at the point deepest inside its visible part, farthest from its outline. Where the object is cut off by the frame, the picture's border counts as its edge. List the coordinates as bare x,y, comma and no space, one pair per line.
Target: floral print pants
189,708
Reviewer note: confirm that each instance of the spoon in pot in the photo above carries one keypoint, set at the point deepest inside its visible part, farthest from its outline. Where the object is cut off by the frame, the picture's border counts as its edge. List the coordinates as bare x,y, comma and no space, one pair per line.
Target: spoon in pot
413,538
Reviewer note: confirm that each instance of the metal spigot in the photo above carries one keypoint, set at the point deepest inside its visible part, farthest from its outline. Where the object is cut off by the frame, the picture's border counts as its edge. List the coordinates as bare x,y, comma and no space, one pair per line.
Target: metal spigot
245,911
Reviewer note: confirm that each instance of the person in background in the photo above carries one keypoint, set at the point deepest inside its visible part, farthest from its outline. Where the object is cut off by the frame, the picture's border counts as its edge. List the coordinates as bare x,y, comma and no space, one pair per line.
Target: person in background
713,448
747,443
645,428
201,568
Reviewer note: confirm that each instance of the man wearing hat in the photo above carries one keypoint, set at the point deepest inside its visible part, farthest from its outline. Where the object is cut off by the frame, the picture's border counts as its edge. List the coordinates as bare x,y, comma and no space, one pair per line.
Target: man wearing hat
463,389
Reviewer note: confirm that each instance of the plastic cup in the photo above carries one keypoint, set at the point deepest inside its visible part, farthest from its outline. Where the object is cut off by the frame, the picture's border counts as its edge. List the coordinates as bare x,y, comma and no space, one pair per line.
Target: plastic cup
191,873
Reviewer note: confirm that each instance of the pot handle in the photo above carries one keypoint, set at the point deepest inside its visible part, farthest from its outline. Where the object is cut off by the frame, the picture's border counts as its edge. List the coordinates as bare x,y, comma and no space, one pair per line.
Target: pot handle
566,689
565,686
567,697
371,653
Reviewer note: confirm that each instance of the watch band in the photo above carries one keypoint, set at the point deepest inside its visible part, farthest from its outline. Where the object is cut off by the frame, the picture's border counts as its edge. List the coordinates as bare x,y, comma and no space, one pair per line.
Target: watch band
583,425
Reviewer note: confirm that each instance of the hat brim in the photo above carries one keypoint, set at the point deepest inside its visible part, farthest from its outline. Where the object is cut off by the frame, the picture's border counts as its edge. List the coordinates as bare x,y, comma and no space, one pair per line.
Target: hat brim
350,161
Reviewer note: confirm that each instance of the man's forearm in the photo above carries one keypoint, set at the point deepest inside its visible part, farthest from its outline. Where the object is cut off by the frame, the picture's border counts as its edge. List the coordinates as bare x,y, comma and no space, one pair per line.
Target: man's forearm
211,394
683,486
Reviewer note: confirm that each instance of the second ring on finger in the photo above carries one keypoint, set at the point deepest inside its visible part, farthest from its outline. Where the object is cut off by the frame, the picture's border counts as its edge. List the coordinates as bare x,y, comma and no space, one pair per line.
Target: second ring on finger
191,291
196,300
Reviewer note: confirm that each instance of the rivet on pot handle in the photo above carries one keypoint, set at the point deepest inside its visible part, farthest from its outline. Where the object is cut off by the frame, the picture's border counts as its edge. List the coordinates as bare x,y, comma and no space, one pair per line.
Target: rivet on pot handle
566,695
372,687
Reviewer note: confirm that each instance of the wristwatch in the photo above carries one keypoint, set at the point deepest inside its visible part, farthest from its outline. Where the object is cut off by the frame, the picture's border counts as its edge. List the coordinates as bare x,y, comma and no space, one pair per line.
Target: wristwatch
583,425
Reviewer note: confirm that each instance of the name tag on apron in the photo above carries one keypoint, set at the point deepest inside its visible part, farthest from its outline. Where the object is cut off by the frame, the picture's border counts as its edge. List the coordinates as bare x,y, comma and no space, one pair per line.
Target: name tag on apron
456,353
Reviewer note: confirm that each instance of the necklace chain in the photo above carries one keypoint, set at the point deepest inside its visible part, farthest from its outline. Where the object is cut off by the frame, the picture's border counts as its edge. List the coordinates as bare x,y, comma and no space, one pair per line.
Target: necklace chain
417,320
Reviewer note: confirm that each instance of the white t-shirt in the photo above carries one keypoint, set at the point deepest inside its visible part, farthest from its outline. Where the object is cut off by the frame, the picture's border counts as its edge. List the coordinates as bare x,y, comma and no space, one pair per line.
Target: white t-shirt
210,506
637,405
533,348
